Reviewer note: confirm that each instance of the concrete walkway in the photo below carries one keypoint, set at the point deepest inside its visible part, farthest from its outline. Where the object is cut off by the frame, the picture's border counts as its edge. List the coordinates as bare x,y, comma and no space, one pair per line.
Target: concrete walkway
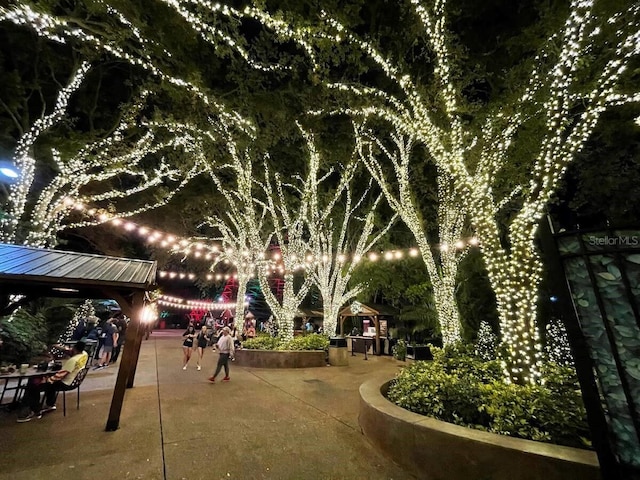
263,424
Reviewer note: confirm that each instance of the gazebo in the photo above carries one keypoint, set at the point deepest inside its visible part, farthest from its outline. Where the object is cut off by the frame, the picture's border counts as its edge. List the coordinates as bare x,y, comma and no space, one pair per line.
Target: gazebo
357,309
37,272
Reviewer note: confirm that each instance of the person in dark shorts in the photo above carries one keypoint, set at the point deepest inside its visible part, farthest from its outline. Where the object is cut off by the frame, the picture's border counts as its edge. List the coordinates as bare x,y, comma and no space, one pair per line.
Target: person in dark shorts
202,341
187,345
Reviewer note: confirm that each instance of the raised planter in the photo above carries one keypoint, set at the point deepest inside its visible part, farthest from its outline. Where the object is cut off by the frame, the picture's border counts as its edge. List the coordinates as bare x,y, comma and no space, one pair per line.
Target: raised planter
280,359
435,450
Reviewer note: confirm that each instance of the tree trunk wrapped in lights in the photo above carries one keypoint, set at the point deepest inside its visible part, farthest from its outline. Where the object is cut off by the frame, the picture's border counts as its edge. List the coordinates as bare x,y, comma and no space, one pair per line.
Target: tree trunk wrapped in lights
239,230
337,249
236,247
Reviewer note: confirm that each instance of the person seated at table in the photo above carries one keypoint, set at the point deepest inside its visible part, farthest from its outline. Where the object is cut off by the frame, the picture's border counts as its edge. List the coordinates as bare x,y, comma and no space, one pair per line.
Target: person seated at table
62,380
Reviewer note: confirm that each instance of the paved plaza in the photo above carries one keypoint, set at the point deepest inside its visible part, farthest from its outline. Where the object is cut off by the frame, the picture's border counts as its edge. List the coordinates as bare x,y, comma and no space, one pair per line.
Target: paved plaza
263,424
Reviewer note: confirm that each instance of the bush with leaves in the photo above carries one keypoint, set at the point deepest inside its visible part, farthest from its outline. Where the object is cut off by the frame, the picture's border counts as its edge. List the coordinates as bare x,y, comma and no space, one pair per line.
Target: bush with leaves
459,388
399,350
261,342
313,341
23,335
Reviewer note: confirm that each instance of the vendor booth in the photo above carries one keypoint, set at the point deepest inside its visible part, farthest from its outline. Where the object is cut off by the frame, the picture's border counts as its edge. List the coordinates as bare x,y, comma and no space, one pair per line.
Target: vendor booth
372,330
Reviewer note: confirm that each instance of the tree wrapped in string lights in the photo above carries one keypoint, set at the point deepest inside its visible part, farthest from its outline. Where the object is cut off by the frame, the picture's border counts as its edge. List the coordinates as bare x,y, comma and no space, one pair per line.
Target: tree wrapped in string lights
83,312
26,164
336,244
556,345
240,226
287,216
139,164
486,343
390,166
95,175
506,154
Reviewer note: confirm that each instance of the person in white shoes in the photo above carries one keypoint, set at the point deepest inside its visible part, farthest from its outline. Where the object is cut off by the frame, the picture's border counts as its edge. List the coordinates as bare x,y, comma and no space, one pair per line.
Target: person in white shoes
202,340
187,345
62,380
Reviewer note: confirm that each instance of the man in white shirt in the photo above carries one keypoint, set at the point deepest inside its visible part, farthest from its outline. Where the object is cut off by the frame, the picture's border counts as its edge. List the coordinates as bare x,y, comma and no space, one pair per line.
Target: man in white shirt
226,349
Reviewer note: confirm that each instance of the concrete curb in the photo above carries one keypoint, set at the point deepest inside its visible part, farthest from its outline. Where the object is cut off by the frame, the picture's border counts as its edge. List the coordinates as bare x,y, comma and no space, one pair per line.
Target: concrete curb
280,359
436,450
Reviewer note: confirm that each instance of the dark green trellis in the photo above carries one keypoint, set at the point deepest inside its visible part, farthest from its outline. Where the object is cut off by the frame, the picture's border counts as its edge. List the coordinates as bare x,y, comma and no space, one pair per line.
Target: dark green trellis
601,305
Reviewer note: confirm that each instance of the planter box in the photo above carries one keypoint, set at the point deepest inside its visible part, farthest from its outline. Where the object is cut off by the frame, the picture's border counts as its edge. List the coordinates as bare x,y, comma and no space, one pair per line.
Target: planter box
436,450
280,359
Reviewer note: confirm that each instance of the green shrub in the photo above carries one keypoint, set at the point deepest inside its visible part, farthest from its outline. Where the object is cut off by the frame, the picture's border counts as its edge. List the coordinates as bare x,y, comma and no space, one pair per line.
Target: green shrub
261,342
459,388
24,337
399,350
312,341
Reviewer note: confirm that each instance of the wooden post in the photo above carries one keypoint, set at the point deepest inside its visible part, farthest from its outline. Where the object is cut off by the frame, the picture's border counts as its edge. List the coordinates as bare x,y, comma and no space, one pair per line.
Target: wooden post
140,332
377,323
133,309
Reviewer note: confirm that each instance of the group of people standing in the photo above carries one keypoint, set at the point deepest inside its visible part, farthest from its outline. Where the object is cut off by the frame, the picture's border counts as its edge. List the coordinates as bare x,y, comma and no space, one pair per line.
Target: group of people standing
201,340
223,342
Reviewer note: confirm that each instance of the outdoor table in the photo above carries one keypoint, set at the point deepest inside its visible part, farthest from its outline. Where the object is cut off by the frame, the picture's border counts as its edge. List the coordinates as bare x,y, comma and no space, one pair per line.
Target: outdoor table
31,373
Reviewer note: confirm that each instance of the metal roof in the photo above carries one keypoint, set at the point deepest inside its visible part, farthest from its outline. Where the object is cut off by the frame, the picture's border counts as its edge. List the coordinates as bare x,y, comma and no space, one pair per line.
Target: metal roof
44,271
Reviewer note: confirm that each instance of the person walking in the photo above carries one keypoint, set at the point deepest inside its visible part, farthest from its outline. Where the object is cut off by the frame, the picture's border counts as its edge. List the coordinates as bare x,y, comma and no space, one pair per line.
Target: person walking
121,325
187,345
226,349
202,340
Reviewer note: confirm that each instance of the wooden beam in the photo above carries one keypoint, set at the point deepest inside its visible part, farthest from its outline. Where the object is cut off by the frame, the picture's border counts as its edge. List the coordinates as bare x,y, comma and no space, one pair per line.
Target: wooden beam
133,309
140,331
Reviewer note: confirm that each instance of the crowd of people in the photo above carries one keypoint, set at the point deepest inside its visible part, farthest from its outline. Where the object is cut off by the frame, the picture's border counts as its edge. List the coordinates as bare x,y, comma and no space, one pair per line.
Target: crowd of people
221,334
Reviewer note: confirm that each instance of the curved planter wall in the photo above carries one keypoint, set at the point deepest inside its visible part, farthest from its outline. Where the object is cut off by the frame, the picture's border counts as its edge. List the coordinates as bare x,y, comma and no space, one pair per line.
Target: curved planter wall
280,359
436,450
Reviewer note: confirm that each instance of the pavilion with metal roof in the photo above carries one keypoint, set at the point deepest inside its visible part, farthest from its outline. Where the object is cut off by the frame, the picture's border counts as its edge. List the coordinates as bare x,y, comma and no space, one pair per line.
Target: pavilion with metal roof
37,272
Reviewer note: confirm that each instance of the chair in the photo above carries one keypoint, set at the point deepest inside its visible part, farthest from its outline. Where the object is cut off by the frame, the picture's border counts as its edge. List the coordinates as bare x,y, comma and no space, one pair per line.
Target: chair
75,385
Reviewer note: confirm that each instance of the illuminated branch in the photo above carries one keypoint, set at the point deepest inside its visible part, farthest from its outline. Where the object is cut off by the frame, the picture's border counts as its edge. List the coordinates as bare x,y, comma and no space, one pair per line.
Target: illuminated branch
129,47
26,164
